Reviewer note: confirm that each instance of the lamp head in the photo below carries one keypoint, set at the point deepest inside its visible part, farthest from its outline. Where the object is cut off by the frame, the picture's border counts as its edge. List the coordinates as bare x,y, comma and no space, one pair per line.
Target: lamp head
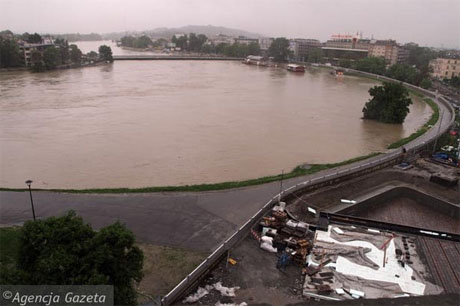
28,182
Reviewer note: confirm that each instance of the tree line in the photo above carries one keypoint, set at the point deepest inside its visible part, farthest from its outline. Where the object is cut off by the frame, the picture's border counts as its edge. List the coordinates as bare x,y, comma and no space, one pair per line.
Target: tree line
48,57
416,71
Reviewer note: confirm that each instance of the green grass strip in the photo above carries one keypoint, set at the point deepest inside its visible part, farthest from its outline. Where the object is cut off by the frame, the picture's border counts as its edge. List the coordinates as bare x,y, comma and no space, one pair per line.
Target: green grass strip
297,171
434,118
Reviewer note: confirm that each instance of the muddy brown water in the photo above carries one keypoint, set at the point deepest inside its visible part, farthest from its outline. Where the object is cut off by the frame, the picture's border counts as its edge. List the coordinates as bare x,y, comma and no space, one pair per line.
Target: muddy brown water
156,123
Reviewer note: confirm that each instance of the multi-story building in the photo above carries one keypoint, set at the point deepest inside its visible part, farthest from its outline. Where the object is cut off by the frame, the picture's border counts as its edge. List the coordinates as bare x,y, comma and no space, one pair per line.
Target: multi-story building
389,50
445,68
348,42
221,39
301,47
265,43
26,49
351,47
243,40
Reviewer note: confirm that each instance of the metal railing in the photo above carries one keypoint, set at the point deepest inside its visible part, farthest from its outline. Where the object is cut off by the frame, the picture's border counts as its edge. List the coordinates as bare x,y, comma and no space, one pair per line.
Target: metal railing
379,162
174,57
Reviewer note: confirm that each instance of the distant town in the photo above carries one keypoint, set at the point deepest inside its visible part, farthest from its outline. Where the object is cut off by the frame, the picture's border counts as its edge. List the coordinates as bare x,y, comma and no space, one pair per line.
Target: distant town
422,66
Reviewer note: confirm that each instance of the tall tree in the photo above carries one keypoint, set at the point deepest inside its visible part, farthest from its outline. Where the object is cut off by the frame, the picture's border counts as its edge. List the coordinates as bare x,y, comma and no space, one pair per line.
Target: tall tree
253,48
420,56
315,55
36,61
403,73
9,53
67,251
127,41
181,41
142,42
34,38
374,65
389,103
51,58
279,49
105,53
65,54
75,54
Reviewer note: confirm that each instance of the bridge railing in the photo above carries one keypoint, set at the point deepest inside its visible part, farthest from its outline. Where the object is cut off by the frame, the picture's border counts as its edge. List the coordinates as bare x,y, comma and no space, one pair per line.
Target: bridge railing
393,157
174,57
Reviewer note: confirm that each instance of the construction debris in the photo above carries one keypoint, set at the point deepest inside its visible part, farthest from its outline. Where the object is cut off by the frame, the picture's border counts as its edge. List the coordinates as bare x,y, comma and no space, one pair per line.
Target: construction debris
202,292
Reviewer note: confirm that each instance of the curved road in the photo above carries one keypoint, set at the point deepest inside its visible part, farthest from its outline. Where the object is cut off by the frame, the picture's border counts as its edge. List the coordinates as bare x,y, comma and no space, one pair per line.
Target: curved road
193,220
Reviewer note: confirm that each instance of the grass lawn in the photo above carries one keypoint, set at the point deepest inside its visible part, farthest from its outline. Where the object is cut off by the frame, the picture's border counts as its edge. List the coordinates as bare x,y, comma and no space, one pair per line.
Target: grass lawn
164,268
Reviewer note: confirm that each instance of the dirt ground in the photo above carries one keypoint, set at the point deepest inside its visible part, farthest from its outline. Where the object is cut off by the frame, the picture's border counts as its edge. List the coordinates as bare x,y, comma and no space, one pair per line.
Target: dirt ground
164,268
255,272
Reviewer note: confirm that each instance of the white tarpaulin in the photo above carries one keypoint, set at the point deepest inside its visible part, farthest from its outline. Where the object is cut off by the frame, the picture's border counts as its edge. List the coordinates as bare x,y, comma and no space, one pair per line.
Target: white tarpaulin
393,272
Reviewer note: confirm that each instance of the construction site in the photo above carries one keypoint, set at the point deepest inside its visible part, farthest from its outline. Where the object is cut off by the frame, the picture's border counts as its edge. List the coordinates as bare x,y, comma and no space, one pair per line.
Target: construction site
390,234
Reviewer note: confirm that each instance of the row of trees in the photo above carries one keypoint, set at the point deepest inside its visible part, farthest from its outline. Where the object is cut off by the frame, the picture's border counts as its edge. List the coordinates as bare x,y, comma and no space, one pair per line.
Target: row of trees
141,42
44,57
67,251
54,56
403,72
191,43
63,54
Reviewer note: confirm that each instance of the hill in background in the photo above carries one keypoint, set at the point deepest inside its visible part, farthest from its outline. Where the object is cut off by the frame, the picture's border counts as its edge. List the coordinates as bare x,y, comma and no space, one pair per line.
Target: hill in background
207,30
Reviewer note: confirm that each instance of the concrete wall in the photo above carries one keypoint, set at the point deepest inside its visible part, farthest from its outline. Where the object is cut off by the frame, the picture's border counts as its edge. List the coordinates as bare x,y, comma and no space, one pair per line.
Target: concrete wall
434,203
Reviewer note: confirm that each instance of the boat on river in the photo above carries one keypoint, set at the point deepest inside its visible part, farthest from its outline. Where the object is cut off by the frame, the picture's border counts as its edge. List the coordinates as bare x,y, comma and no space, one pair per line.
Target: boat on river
295,68
256,60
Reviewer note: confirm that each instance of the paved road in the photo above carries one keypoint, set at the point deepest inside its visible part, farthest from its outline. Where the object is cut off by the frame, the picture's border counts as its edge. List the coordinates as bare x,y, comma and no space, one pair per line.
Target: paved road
199,220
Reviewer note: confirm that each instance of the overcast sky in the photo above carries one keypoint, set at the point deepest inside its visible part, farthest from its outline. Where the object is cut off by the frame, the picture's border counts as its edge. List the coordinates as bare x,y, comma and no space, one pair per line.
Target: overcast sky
427,22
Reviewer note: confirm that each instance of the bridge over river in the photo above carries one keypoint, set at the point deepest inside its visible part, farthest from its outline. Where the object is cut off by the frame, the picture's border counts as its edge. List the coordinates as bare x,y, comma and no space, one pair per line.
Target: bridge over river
173,58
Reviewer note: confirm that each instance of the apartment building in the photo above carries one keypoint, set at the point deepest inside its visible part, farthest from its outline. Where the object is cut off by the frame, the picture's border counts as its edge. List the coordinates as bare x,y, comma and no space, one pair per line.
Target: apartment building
445,68
389,50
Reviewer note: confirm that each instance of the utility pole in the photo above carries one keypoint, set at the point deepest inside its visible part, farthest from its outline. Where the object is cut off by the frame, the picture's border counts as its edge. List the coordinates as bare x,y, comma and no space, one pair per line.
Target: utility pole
281,186
437,134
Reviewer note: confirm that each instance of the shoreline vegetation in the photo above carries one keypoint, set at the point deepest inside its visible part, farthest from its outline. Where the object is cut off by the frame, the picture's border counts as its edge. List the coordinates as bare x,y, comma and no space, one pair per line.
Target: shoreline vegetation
422,130
296,172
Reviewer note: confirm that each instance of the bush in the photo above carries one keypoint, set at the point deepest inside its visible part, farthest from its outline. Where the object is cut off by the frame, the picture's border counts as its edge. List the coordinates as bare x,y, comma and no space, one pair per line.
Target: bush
66,251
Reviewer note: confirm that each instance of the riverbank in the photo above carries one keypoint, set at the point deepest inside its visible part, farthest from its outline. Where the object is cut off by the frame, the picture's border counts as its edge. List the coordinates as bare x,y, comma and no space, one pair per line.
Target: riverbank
296,172
431,122
4,70
62,67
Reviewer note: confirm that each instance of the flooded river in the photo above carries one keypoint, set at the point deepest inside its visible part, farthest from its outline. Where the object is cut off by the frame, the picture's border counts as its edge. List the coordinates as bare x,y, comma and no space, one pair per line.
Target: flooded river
152,123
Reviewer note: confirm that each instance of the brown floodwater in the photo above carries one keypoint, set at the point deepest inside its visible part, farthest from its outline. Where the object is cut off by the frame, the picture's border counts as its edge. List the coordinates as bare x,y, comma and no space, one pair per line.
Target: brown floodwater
152,123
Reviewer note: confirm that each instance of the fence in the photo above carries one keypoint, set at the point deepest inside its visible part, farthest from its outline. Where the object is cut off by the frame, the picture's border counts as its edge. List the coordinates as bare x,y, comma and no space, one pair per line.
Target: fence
373,164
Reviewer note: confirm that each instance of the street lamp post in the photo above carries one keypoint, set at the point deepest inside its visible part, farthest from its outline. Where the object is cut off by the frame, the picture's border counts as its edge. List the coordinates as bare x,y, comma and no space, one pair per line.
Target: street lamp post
29,182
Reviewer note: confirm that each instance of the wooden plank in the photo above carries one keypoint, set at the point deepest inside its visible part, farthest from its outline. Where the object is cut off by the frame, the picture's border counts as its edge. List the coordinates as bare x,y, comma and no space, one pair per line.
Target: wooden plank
441,264
457,246
429,261
454,259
